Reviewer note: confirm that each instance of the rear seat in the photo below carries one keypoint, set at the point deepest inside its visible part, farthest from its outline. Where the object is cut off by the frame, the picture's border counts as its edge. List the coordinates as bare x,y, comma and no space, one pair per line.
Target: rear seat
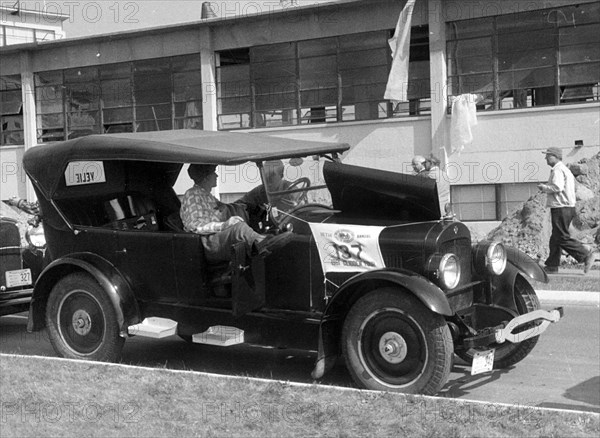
132,212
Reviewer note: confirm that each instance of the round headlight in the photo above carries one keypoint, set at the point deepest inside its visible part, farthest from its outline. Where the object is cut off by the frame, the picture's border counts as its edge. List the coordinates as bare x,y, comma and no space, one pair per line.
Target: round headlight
35,236
495,258
449,271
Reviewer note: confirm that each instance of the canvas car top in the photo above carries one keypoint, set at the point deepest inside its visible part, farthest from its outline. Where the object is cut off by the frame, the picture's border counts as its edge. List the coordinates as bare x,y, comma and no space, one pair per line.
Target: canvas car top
45,164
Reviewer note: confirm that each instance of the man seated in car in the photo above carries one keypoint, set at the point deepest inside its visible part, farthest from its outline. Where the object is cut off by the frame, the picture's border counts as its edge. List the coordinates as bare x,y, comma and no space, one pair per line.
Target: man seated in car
217,222
256,198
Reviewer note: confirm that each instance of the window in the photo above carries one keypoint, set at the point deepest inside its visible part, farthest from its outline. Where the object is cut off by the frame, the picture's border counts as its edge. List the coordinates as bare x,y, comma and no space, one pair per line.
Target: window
273,74
18,35
11,107
44,35
490,202
187,92
233,85
81,101
152,94
364,62
116,97
512,196
419,86
317,81
318,69
49,96
534,58
21,35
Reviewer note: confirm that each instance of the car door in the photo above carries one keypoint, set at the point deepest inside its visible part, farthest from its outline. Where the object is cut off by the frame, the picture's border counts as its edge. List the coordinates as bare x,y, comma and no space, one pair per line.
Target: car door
146,259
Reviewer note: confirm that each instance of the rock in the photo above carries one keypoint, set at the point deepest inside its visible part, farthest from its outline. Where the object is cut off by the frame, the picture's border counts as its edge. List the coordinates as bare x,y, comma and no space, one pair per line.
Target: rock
578,169
582,193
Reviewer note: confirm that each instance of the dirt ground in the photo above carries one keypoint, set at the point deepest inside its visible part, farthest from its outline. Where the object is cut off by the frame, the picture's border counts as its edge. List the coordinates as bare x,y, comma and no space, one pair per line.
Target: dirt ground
529,228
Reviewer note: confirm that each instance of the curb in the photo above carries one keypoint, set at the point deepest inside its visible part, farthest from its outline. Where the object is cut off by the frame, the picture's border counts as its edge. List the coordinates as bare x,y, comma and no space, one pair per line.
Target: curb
569,297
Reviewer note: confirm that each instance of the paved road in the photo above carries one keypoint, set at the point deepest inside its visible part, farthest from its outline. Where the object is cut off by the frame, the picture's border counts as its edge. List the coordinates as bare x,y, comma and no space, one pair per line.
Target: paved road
561,372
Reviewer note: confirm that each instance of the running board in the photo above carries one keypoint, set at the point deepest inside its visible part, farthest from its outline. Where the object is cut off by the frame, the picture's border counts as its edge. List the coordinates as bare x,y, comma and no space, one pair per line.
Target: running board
153,327
221,335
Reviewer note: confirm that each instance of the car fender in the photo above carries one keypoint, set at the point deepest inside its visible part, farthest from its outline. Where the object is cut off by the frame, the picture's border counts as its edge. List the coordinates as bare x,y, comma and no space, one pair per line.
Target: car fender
526,264
331,323
108,277
428,293
503,287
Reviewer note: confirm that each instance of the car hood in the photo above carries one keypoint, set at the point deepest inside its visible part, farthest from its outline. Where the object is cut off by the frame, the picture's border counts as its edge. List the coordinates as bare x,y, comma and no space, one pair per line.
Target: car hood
360,192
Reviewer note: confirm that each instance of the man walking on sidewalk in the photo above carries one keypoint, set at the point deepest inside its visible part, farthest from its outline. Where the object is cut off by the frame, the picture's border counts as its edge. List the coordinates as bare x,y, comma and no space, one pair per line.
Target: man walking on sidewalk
560,189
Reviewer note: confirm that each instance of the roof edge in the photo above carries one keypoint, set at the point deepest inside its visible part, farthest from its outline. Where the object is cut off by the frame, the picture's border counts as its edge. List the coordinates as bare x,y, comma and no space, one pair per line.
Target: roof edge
18,11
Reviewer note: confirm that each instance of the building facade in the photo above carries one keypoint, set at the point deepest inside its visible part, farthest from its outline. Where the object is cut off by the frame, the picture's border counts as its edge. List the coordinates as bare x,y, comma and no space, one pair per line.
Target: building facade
319,73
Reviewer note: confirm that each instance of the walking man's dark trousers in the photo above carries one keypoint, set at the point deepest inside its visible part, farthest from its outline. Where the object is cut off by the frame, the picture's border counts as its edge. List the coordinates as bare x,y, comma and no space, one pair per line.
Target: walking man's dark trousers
561,239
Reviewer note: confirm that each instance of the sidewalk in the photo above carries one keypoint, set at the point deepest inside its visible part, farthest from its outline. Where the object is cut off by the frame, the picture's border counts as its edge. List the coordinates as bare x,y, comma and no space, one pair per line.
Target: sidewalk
591,298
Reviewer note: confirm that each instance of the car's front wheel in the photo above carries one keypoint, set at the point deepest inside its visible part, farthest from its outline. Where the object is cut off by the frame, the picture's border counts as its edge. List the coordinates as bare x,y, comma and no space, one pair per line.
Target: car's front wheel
81,320
392,342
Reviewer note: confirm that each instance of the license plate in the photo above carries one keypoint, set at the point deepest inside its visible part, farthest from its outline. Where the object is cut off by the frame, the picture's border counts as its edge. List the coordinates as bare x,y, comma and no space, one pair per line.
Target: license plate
483,361
19,277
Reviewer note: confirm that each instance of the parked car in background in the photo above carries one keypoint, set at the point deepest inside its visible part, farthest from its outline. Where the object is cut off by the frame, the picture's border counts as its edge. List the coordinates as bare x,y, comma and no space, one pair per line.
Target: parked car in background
22,250
372,273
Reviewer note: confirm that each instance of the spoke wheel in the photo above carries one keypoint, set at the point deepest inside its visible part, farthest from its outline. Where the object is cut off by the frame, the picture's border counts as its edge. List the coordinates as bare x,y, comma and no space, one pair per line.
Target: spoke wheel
392,342
81,320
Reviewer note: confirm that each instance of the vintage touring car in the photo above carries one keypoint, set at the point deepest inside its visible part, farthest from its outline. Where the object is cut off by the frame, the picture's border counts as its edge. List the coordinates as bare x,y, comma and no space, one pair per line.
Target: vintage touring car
22,251
371,272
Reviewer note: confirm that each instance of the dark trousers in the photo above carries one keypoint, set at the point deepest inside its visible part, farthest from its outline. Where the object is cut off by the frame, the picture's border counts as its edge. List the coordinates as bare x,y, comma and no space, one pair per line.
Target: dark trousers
561,239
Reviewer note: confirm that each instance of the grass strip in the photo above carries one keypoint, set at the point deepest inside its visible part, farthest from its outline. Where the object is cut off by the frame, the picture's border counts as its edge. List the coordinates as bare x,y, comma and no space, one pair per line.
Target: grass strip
54,397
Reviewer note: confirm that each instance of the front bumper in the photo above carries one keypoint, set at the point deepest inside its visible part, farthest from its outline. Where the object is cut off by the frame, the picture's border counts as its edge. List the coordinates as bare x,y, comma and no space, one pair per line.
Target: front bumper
504,331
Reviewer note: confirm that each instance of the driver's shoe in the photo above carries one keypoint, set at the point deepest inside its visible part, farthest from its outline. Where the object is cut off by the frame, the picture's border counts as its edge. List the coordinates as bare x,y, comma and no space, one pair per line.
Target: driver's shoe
272,243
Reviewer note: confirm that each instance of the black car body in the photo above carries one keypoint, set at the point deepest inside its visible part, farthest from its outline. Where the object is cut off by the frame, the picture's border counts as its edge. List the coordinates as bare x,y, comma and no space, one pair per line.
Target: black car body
20,262
372,273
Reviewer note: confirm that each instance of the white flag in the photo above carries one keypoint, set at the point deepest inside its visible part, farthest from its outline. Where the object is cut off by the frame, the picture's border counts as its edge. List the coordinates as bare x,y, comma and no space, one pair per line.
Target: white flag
397,85
464,118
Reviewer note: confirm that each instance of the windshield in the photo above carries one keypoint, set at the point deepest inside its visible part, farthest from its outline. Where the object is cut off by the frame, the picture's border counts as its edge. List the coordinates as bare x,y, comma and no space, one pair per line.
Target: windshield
295,182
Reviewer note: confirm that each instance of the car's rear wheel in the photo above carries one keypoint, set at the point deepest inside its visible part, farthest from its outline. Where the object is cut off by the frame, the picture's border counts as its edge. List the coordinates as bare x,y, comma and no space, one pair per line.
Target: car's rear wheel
81,320
507,353
392,342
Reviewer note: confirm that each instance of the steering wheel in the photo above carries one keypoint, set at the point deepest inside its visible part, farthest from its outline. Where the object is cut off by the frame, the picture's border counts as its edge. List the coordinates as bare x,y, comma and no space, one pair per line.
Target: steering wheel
300,183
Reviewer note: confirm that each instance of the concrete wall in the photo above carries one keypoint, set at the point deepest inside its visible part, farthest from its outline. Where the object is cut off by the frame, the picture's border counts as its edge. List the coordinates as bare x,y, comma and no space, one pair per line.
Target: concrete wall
466,9
507,145
12,176
324,21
